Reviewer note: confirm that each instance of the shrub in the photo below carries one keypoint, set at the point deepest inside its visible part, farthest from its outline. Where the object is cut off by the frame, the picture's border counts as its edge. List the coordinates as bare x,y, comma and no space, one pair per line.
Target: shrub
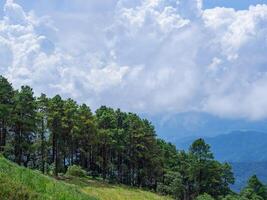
75,170
205,197
172,185
234,197
51,169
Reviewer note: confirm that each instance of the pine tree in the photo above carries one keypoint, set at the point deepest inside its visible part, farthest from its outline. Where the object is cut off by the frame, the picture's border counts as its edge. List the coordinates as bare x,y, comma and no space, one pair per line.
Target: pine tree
255,188
42,129
23,124
55,108
69,117
6,102
85,137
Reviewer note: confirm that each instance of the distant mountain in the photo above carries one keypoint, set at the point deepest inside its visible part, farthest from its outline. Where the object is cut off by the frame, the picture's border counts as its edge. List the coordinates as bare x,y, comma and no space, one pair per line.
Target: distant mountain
245,150
173,127
237,146
244,170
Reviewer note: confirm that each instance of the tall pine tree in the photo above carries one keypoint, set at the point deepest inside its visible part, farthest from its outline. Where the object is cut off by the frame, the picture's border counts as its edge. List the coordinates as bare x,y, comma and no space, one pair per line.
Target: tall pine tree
6,102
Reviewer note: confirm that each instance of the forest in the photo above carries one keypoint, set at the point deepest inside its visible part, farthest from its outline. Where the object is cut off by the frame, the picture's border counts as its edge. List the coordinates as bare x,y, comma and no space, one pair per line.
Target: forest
52,134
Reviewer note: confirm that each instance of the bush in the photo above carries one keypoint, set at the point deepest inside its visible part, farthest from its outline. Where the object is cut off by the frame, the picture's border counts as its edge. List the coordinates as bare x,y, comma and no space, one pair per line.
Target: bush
172,185
234,197
205,197
51,169
75,170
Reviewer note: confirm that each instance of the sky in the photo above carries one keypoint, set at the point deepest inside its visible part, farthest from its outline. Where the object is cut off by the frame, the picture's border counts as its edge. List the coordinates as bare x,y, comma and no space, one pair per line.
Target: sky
236,4
153,57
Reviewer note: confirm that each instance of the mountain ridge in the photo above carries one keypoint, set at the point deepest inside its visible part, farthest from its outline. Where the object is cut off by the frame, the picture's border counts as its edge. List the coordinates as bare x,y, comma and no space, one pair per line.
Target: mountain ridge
236,146
245,150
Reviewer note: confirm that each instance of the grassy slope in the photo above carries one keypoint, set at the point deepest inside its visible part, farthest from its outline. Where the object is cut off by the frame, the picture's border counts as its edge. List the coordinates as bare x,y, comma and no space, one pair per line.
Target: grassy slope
106,191
18,183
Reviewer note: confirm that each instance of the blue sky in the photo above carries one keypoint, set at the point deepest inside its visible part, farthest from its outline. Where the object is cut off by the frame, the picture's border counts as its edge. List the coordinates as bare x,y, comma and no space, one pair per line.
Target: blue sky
237,4
46,6
154,57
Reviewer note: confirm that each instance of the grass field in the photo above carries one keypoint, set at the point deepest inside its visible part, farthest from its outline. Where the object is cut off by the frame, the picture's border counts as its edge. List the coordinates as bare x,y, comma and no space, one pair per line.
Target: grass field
105,191
19,183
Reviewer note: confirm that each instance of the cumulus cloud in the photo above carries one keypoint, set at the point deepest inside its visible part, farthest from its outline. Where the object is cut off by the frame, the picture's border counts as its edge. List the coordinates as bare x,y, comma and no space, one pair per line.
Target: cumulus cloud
149,56
31,56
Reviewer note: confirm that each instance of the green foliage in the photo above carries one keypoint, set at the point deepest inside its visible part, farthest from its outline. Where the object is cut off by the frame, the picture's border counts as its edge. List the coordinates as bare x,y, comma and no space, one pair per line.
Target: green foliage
204,197
248,193
23,124
53,134
75,170
196,173
42,143
172,185
201,150
6,102
255,189
233,197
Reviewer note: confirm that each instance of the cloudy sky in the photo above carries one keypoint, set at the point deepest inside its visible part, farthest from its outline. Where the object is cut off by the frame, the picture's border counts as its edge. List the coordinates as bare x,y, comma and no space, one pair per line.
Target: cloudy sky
145,56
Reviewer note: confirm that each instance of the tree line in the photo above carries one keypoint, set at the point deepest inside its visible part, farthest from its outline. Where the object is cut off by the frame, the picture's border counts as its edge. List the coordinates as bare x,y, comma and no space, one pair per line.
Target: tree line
52,134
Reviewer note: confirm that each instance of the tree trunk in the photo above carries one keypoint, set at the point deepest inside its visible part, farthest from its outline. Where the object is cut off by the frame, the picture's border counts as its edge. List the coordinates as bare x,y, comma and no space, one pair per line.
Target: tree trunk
18,150
3,132
104,163
55,153
43,148
56,159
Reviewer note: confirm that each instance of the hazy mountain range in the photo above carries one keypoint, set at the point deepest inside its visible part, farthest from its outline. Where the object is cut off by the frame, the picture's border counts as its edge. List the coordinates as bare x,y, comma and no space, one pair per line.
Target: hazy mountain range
245,150
177,127
237,146
241,142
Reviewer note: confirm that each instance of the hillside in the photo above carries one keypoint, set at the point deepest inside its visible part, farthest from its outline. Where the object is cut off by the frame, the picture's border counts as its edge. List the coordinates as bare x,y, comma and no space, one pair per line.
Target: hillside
25,184
52,134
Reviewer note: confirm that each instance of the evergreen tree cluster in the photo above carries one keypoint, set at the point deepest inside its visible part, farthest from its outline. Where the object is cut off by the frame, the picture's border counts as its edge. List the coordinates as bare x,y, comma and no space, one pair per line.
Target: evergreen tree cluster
57,136
254,190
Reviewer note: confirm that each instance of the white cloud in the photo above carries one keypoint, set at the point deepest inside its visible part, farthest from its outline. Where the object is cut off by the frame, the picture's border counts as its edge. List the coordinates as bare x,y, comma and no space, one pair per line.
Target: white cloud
14,13
142,55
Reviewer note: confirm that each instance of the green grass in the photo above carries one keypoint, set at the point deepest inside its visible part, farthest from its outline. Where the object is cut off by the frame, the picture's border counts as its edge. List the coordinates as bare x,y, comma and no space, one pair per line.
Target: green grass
19,183
105,191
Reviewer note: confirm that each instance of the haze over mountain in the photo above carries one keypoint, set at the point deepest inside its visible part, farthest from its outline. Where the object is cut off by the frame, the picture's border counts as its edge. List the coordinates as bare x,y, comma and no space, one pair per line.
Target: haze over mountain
244,170
245,150
237,146
179,127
